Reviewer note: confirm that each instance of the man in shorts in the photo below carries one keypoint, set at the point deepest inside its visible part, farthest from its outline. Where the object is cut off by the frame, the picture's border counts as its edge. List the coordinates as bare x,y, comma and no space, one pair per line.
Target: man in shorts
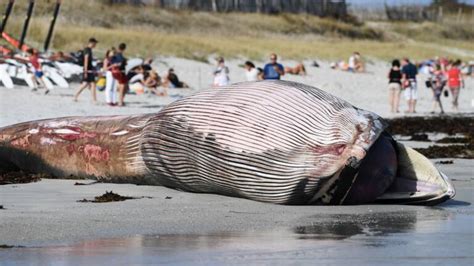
409,72
88,77
119,62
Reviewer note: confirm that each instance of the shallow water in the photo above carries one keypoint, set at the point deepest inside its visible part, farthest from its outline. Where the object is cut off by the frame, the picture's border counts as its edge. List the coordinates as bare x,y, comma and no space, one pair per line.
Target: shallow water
443,237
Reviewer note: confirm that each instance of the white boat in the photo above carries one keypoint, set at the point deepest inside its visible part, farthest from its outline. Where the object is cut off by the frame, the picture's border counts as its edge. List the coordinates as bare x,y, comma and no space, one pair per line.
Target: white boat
5,78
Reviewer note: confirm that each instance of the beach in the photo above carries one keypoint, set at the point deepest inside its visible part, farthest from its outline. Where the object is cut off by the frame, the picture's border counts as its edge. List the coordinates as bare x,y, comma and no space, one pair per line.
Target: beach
43,221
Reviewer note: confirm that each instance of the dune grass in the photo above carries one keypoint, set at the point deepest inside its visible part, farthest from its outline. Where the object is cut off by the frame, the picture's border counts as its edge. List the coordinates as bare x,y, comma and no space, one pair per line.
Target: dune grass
197,35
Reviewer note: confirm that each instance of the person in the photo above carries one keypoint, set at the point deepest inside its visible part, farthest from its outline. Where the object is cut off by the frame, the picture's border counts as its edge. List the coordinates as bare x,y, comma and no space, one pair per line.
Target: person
260,73
409,73
355,63
251,73
153,82
37,69
395,86
273,70
136,79
171,80
299,69
88,77
455,82
110,83
437,82
119,63
221,74
147,67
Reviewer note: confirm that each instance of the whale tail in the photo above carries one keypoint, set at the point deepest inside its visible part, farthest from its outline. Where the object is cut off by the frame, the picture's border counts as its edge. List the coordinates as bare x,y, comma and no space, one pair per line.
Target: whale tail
104,148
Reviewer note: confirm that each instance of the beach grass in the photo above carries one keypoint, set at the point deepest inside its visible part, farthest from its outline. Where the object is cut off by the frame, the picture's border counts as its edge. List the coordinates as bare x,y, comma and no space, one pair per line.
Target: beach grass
198,35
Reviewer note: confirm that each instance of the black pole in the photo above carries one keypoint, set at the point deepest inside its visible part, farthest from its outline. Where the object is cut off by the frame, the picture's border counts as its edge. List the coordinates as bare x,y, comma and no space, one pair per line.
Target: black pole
6,16
27,22
51,26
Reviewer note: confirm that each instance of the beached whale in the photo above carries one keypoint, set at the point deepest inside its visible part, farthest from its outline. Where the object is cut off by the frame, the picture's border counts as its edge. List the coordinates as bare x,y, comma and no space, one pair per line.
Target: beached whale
270,141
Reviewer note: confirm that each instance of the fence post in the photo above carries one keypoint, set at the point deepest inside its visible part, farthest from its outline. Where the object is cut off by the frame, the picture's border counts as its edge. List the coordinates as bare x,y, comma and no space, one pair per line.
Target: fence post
459,15
214,6
440,14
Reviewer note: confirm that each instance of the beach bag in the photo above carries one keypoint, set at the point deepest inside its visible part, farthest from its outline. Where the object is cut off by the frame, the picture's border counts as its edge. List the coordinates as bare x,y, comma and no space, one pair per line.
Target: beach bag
100,84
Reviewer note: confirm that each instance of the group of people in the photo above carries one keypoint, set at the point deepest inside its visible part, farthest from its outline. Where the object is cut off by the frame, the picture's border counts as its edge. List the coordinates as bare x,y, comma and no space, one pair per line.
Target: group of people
116,80
355,64
403,77
272,70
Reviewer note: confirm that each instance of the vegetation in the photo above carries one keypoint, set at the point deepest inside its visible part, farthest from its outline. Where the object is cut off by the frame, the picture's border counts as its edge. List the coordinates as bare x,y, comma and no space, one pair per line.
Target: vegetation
196,35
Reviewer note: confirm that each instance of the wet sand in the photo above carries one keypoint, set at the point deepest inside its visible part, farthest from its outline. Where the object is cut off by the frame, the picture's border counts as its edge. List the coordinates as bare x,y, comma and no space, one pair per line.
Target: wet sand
169,226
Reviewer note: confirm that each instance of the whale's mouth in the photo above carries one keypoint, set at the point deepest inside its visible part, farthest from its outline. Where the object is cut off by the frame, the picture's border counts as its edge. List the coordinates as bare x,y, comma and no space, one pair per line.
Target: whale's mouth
394,174
418,182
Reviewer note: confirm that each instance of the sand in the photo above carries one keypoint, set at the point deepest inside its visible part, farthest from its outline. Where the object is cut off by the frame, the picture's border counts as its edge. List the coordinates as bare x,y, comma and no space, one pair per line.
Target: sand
367,91
218,229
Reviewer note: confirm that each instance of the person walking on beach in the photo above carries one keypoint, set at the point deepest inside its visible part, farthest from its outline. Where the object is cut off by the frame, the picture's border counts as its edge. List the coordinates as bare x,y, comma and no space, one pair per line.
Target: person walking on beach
437,82
409,73
221,74
119,63
273,70
88,77
110,83
395,86
38,75
455,82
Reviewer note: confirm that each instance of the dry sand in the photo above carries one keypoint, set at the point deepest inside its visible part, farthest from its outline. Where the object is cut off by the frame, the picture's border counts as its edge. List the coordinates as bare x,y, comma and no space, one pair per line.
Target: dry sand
367,91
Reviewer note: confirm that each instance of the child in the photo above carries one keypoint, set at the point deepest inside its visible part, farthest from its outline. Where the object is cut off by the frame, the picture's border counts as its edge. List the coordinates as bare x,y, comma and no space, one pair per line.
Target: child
38,75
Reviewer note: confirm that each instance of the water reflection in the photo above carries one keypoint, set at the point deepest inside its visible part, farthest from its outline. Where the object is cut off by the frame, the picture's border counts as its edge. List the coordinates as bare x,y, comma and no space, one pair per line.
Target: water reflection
341,226
325,235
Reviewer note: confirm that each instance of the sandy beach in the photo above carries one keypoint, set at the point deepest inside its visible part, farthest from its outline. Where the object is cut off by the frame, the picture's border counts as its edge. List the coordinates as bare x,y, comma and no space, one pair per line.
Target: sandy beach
365,90
169,226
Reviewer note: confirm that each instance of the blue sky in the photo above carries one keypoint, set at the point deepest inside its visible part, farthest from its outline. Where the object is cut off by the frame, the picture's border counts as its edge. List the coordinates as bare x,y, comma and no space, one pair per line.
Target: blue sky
380,3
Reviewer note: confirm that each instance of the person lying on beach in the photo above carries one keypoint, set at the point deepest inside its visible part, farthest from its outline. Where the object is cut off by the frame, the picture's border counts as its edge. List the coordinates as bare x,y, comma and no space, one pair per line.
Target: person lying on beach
61,57
299,69
171,80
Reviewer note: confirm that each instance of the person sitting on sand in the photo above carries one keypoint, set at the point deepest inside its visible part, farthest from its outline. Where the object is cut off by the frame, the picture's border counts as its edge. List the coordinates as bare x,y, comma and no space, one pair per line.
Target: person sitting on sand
251,73
355,63
395,86
299,69
153,82
273,70
171,80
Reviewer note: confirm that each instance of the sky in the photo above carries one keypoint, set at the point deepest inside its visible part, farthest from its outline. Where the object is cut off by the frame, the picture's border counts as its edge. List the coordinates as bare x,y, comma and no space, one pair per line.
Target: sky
380,3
